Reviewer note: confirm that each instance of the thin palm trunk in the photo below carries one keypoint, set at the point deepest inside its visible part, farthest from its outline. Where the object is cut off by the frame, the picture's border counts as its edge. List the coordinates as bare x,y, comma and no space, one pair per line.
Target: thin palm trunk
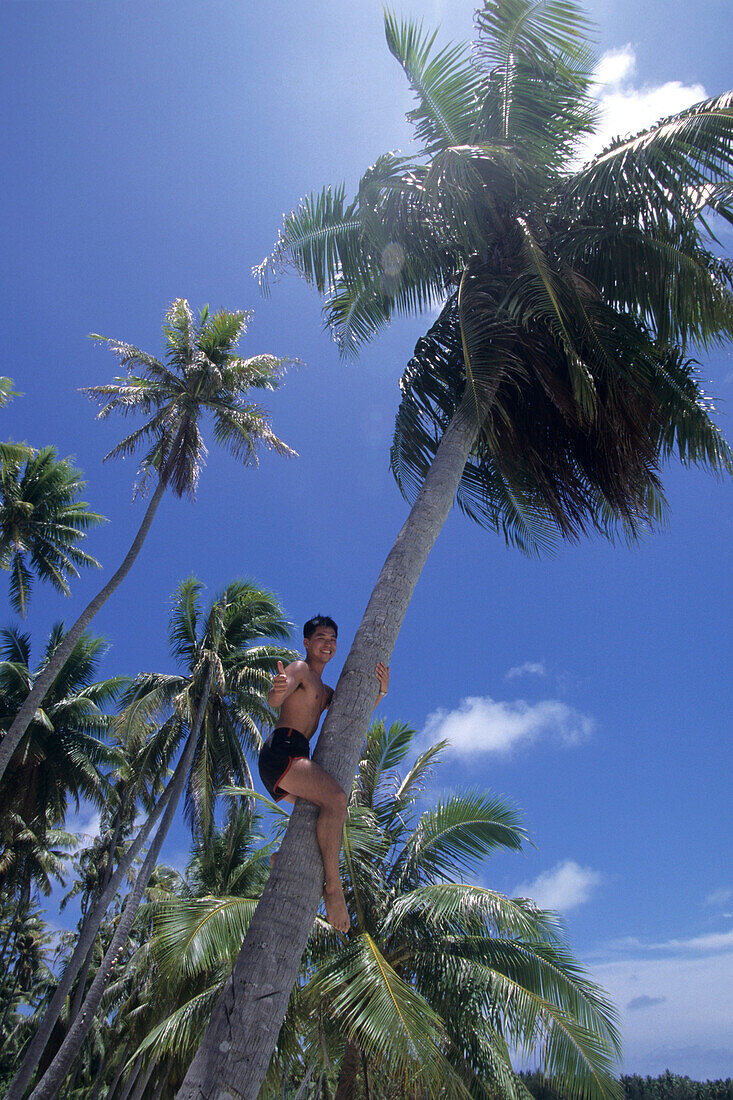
348,1072
131,1078
159,1088
78,997
97,1085
6,952
365,1068
142,1083
9,1002
238,1044
110,1094
46,677
84,945
69,1050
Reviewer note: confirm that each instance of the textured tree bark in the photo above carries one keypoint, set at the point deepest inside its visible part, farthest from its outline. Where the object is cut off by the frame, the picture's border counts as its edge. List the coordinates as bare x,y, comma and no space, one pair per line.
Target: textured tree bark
24,717
142,1083
84,945
49,1086
348,1072
234,1055
78,998
131,1078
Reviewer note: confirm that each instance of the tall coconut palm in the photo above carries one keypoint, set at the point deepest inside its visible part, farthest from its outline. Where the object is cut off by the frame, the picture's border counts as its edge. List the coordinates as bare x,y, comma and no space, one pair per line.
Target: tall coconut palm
553,387
202,374
42,521
232,636
439,978
138,783
210,718
168,988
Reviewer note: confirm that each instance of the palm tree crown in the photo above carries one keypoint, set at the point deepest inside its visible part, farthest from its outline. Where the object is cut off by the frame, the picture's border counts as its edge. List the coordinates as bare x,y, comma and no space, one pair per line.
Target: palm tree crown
202,372
438,980
63,751
42,520
229,643
571,294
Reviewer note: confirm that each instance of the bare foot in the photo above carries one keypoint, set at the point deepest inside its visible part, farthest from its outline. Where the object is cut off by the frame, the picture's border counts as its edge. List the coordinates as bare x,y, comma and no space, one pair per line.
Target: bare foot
336,913
273,857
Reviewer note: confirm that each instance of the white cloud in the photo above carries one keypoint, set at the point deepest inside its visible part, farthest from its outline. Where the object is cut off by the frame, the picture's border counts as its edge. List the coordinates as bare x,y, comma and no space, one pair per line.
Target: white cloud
563,888
712,941
483,725
615,66
86,822
529,668
625,106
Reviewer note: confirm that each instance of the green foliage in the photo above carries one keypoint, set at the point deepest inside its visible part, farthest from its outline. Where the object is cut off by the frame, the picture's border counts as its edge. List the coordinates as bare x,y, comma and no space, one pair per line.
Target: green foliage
230,638
570,295
202,373
42,520
668,1086
7,393
63,753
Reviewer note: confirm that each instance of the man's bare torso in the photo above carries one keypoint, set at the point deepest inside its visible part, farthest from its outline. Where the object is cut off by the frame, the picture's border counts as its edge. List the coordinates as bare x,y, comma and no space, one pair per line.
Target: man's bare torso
302,709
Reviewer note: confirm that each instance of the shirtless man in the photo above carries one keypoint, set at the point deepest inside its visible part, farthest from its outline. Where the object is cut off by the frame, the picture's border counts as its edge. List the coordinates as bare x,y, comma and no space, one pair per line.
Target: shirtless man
285,767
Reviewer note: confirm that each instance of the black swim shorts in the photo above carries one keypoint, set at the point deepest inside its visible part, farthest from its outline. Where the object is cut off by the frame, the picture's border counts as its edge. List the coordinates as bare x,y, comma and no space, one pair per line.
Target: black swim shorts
277,754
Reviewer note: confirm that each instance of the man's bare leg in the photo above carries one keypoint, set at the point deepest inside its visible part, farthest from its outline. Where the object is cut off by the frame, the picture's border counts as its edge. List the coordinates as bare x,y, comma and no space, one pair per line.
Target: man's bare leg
309,781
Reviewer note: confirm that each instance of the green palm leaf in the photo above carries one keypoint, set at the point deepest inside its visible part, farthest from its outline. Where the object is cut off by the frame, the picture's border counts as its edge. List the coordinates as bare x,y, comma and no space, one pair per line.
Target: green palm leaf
458,832
387,1019
446,85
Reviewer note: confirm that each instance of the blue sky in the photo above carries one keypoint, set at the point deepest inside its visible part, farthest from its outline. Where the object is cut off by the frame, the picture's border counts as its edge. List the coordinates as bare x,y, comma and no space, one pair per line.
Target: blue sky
149,153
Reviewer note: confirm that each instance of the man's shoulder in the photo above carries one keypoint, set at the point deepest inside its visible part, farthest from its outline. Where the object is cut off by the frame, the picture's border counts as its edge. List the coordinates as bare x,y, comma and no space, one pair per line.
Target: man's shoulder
297,667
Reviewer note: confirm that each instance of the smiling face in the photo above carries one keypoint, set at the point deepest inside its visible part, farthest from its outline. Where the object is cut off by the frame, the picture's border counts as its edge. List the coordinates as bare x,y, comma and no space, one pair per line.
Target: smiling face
321,645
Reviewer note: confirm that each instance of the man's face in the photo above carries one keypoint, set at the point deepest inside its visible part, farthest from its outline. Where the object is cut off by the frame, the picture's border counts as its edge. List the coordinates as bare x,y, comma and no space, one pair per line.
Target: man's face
322,643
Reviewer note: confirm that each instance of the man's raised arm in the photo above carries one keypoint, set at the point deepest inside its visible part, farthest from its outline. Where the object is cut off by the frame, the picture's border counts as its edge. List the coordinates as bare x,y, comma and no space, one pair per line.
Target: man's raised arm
284,684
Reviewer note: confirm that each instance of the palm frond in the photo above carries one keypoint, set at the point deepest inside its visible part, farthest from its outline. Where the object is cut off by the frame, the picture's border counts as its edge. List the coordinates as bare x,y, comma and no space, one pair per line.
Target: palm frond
384,1016
445,84
459,831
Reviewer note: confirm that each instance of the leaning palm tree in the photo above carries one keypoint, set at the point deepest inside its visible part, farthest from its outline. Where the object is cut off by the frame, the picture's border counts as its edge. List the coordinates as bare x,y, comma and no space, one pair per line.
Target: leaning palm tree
438,979
210,714
42,521
173,978
202,374
551,390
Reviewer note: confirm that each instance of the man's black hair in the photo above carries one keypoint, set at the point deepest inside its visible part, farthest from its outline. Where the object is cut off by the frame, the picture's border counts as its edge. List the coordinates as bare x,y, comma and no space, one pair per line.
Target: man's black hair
318,620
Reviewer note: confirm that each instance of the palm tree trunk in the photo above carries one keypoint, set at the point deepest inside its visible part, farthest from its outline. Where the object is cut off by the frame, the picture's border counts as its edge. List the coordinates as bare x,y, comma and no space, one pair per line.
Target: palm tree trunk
84,946
348,1072
132,1078
97,1085
69,1050
47,676
78,997
238,1044
142,1083
14,923
110,1094
365,1068
159,1088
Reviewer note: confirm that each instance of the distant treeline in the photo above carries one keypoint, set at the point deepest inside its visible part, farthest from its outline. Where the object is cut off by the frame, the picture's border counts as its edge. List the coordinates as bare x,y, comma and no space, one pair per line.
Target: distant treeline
668,1086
